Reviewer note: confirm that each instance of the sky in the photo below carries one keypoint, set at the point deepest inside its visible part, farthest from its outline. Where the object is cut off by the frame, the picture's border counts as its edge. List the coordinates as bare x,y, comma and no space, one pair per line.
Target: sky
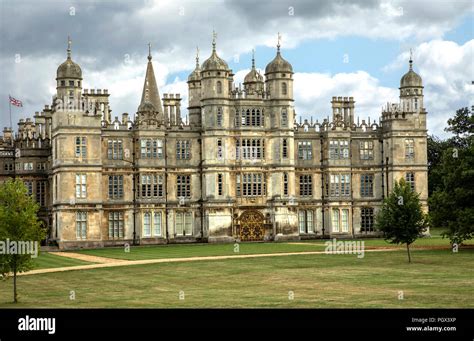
336,48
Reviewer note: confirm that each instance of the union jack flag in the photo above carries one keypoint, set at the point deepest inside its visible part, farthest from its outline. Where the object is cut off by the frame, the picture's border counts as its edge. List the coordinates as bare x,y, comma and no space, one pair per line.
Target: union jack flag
15,102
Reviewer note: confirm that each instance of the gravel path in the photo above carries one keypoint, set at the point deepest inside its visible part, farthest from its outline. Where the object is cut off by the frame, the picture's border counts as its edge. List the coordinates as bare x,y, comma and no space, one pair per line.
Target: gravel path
87,258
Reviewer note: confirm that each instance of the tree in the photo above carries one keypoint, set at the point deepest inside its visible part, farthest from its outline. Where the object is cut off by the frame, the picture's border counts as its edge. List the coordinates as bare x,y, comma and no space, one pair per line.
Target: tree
462,126
436,148
401,218
19,227
451,201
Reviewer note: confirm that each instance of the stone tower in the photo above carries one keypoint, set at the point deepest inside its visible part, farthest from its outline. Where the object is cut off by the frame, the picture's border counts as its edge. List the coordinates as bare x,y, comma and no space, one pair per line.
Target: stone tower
77,160
216,143
281,144
405,137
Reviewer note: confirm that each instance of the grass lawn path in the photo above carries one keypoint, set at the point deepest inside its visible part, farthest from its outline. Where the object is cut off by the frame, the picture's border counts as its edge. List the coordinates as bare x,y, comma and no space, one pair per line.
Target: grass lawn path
117,262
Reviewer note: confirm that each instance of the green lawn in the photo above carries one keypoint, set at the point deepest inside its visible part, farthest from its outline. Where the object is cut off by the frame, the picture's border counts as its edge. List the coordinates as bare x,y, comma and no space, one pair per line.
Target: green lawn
200,250
436,278
195,250
49,260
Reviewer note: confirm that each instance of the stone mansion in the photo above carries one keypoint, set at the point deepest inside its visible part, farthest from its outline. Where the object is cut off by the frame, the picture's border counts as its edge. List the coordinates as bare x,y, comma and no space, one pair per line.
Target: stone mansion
241,167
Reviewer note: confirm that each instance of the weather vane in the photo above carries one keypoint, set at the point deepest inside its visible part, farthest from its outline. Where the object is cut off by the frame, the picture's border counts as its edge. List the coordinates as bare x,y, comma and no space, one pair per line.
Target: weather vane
214,37
69,42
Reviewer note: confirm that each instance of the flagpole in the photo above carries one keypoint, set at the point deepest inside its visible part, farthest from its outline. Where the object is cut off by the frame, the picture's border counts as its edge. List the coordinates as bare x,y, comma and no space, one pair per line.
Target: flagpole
10,107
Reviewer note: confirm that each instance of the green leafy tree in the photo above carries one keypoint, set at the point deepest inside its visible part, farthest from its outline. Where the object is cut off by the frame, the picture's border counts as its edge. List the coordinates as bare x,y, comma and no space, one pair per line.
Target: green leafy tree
462,126
18,223
451,202
436,148
401,218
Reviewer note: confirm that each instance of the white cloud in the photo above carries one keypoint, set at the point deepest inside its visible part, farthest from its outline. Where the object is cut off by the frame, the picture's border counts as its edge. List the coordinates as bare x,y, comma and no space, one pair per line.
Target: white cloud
102,41
313,93
446,69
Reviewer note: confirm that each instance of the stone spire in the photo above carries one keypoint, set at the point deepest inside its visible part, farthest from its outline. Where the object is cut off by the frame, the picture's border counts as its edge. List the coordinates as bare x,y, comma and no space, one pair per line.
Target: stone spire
150,93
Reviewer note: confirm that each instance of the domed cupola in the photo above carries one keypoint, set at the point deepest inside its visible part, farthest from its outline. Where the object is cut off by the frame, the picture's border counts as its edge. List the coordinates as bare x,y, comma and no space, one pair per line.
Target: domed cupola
253,76
411,78
253,81
214,62
411,90
69,69
69,80
216,77
279,64
195,76
279,77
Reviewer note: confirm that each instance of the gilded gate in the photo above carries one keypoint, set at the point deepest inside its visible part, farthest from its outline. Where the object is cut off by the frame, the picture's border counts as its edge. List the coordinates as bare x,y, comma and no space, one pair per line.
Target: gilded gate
252,226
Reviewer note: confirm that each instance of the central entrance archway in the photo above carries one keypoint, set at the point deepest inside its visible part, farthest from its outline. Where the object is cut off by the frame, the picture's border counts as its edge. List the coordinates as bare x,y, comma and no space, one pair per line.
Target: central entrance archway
252,226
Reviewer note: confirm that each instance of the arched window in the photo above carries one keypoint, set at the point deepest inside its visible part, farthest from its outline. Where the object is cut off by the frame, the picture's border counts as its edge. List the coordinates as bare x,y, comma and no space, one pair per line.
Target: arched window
284,89
219,87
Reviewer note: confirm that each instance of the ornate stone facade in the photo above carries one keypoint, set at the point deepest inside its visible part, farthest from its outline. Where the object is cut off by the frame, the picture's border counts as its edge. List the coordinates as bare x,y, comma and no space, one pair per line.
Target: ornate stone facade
241,168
